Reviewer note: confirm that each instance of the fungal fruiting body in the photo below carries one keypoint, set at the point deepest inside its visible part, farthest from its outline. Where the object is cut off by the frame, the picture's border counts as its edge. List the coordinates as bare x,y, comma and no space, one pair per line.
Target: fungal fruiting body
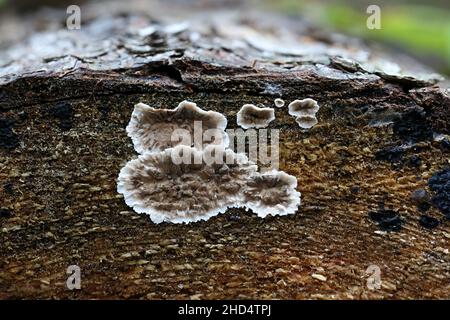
251,116
304,112
279,103
183,192
272,192
186,183
153,129
306,121
303,107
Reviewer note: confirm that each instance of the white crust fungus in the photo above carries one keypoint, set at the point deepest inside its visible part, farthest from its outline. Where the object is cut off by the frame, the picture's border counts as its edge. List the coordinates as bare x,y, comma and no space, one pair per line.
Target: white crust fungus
152,129
279,103
186,183
306,121
304,112
251,116
154,185
305,107
272,192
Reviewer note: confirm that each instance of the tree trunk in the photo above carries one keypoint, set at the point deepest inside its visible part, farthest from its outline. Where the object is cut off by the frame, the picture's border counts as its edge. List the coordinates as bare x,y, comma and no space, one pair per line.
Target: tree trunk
67,96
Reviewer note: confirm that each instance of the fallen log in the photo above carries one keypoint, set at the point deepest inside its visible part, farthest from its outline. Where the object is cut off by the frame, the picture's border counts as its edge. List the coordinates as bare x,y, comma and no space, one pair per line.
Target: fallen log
371,172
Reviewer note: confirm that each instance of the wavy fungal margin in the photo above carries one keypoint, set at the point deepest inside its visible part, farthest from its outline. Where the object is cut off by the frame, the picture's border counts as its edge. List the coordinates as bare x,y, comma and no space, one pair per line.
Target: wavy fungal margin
177,182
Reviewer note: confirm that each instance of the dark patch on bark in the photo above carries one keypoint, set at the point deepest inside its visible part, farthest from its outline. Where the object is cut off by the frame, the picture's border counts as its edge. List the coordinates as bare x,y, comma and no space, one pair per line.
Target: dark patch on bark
387,220
424,207
8,138
428,222
5,213
415,161
64,113
445,143
419,196
8,188
391,154
440,184
436,105
412,126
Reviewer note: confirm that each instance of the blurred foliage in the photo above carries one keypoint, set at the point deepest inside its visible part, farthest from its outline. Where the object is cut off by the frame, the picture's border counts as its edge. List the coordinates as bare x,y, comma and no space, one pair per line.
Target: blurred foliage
423,30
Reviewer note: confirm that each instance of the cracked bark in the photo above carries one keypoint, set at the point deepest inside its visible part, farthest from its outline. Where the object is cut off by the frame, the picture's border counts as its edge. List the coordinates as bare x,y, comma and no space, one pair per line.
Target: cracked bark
66,97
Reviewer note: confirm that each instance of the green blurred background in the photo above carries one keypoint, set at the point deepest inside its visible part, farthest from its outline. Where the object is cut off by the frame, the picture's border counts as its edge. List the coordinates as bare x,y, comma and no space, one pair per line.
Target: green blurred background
420,28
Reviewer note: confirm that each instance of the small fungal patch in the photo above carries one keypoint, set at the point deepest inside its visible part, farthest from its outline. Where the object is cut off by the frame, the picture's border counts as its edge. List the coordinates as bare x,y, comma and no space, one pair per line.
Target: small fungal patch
272,192
272,89
306,122
279,103
303,107
251,116
304,112
152,129
158,184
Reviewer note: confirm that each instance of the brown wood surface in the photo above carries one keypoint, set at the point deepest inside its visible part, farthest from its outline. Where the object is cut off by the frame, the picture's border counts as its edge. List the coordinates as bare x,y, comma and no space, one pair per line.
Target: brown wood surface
66,98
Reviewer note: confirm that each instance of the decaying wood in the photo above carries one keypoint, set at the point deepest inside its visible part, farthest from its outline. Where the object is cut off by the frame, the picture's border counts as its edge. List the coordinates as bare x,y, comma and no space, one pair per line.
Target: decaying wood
66,97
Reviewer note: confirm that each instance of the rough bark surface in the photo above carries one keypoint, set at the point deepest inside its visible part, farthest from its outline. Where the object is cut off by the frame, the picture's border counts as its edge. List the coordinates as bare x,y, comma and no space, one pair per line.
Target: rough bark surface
66,97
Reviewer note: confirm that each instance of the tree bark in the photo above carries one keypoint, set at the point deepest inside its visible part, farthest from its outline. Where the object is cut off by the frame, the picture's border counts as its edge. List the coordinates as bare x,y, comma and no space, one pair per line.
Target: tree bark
67,96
